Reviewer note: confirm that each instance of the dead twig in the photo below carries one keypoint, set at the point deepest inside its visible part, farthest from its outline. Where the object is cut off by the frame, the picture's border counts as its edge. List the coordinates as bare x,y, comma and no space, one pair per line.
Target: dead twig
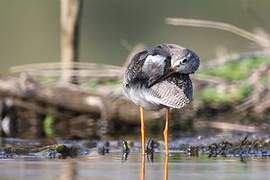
227,126
234,57
70,16
258,99
261,41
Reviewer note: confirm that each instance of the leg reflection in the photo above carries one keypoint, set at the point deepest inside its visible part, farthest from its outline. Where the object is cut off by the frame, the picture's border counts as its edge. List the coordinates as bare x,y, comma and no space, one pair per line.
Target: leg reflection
166,167
142,129
142,167
166,131
69,171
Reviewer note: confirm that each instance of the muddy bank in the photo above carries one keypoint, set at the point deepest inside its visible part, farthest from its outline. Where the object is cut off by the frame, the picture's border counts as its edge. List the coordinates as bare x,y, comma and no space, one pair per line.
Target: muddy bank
32,110
232,146
230,97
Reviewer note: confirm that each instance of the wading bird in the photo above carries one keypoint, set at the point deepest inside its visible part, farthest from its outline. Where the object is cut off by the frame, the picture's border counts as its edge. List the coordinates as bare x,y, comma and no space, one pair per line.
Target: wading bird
158,78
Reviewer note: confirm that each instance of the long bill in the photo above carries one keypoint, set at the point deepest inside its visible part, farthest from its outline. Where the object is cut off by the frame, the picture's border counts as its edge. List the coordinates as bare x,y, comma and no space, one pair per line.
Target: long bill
163,77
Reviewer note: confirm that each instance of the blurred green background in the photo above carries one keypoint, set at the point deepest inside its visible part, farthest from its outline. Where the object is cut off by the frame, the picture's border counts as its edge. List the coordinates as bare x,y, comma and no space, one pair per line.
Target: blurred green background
29,30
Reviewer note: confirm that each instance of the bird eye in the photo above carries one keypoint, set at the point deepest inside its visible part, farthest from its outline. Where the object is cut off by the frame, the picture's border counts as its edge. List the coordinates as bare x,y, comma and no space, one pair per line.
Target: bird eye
184,61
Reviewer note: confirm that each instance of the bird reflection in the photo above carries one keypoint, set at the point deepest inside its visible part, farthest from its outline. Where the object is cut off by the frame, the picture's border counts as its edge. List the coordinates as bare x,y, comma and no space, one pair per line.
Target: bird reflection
142,167
69,171
165,167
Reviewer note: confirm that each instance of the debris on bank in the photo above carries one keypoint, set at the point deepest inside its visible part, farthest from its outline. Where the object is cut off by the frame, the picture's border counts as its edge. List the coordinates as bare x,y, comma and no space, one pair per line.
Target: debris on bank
225,147
234,96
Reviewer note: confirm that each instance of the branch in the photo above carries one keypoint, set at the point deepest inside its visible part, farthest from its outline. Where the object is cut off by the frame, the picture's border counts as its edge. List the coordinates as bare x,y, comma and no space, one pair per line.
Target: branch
263,42
234,57
63,101
70,16
227,126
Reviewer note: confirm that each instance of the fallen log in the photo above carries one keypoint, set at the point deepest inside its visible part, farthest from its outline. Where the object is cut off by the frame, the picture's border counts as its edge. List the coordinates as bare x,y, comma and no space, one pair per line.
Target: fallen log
65,100
25,88
225,126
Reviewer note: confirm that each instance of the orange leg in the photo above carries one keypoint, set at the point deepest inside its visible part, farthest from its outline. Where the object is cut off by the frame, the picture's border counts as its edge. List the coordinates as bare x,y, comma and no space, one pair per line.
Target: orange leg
166,131
142,129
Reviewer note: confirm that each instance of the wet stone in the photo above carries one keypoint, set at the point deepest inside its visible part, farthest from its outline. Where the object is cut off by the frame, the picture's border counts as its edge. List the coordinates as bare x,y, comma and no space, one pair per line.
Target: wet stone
103,147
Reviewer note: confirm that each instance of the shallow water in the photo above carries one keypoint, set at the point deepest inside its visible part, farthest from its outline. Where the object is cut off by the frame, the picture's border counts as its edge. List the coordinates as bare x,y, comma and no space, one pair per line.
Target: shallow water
110,167
89,163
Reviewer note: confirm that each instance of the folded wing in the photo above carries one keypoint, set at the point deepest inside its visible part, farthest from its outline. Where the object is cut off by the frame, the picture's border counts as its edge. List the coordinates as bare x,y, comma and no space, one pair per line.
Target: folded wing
168,94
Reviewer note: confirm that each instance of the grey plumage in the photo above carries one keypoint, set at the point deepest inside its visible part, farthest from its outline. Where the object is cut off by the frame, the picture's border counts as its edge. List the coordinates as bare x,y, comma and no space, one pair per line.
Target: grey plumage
159,77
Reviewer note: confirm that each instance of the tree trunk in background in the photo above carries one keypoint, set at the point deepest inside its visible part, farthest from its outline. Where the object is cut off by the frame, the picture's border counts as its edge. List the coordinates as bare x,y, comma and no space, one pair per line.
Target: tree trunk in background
70,16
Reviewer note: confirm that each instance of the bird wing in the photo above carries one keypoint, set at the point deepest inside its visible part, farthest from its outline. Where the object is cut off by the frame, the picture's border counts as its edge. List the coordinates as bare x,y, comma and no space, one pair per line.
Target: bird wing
147,66
168,94
133,73
155,66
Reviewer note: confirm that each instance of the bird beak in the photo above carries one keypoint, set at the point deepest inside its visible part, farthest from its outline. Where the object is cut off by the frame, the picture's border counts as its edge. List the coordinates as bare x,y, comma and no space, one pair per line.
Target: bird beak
168,74
164,77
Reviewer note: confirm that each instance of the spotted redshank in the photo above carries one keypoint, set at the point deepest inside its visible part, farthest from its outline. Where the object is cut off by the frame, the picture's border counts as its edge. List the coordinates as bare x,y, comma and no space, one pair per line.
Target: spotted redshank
158,78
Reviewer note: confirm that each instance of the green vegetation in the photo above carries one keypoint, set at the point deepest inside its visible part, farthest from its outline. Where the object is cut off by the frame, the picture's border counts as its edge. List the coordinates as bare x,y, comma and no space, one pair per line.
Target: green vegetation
213,95
112,82
48,125
93,84
46,79
237,70
233,71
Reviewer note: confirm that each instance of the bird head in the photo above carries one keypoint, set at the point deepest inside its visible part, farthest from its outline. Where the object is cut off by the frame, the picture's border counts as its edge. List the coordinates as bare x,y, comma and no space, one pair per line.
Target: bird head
183,60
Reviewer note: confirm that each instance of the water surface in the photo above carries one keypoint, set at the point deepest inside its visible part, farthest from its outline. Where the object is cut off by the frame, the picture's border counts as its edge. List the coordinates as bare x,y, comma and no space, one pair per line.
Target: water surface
112,167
